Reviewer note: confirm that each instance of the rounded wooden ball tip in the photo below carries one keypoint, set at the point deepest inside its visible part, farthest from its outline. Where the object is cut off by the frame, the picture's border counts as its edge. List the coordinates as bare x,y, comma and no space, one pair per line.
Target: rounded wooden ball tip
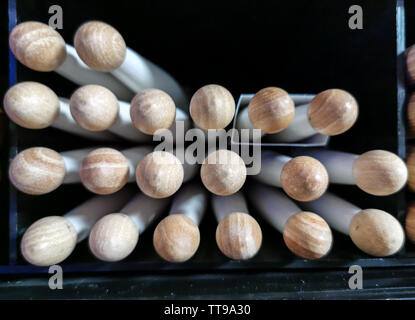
304,178
223,172
152,110
37,46
176,238
410,63
271,110
380,172
410,222
212,107
94,108
376,232
333,112
410,163
239,236
48,241
37,170
411,116
159,174
308,235
31,105
113,237
100,46
104,171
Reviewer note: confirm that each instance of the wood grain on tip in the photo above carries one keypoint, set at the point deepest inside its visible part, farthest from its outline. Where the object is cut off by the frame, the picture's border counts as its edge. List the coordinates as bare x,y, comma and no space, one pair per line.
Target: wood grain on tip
239,236
333,112
37,171
159,174
94,108
380,172
377,233
176,238
271,110
113,237
152,110
104,171
31,105
48,241
304,178
223,172
100,46
37,46
212,107
308,235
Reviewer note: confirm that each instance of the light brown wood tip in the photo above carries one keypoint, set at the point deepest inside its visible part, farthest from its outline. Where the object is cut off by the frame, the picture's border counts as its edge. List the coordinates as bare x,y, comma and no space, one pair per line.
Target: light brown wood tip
212,107
176,238
31,105
308,235
37,171
271,110
304,178
152,110
223,172
410,221
100,46
94,107
410,163
411,117
410,63
239,236
104,171
380,172
333,112
376,232
159,174
48,241
37,46
113,237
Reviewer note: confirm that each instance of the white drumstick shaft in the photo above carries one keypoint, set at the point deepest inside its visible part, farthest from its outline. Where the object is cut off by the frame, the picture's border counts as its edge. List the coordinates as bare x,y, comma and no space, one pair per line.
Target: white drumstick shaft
337,212
191,201
73,161
87,214
224,205
272,164
77,71
273,205
134,156
143,210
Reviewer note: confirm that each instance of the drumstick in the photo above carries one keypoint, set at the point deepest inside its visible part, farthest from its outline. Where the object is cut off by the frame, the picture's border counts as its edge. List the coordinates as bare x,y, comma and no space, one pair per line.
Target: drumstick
377,172
410,163
52,239
115,236
411,116
410,63
33,105
302,178
238,234
103,48
223,172
410,221
306,234
373,231
177,237
39,47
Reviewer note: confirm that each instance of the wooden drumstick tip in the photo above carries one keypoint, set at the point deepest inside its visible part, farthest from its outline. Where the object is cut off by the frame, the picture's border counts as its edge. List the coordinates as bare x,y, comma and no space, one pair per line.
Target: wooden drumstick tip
304,178
410,222
94,108
31,105
48,241
410,163
104,171
223,172
176,238
37,46
308,235
212,107
100,46
380,172
411,116
271,110
159,174
376,232
239,236
152,110
410,63
113,237
333,112
37,171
